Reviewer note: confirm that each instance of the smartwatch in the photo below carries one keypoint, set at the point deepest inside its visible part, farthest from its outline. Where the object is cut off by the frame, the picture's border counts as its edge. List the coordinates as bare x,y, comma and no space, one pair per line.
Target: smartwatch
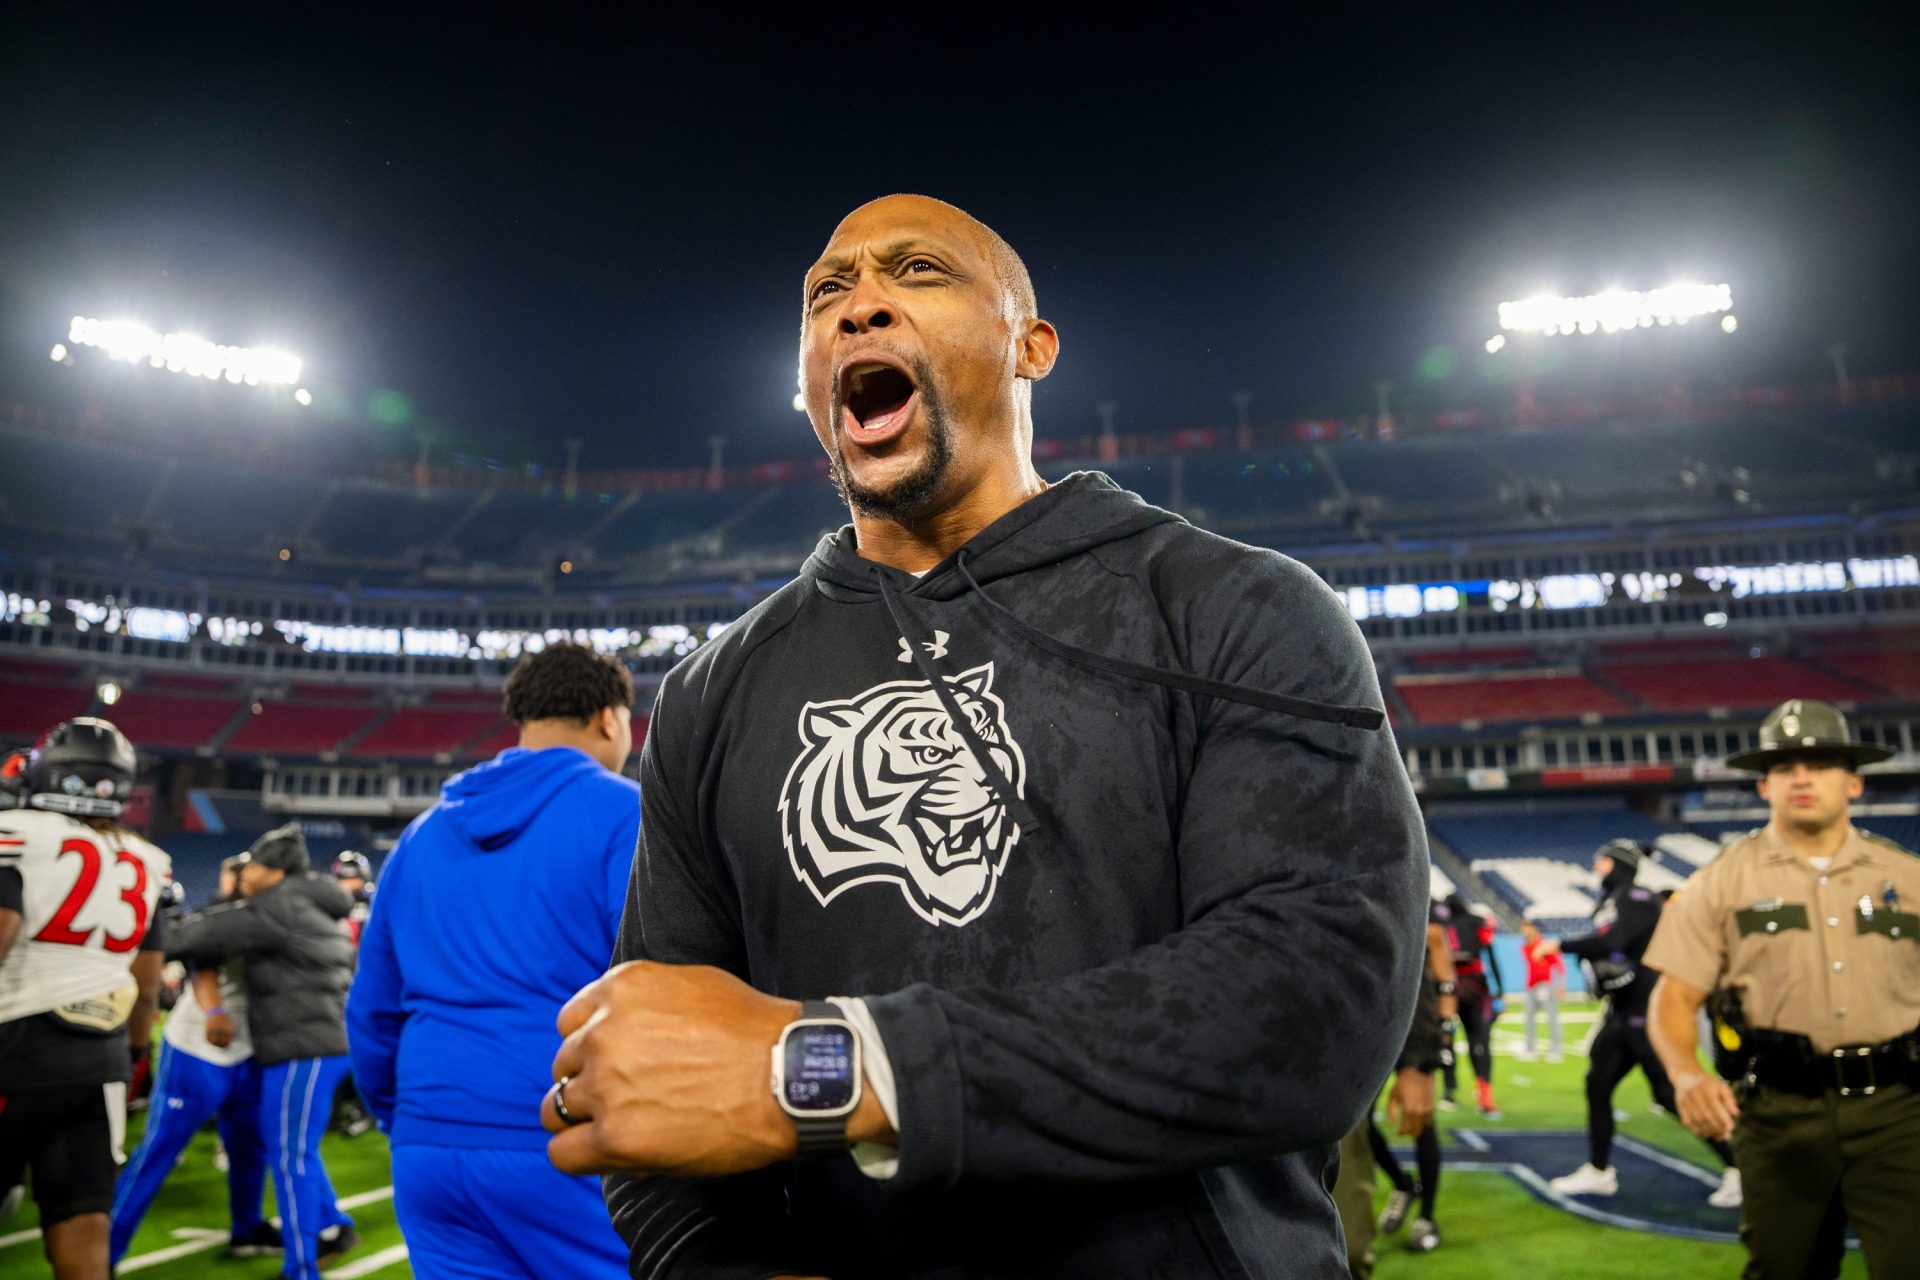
817,1077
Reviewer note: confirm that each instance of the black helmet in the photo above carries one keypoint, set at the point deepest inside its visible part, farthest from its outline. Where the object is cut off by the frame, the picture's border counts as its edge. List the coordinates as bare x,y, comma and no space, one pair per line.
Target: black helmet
84,767
350,864
1626,852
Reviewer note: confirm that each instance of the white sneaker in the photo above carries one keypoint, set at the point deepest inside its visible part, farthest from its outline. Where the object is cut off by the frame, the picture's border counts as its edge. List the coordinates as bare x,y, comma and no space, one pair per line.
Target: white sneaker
1587,1181
1556,1057
1727,1195
1523,1055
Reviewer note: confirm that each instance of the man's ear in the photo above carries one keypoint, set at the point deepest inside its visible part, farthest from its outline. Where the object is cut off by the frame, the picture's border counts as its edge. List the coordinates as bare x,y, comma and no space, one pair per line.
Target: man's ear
1038,350
609,723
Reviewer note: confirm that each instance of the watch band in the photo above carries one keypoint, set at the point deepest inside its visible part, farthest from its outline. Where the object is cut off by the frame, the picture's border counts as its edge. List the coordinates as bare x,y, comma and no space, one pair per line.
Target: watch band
821,1135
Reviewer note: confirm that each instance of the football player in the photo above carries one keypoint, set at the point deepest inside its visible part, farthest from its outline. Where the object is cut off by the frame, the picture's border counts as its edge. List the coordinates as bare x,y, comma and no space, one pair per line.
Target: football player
353,872
206,1070
81,948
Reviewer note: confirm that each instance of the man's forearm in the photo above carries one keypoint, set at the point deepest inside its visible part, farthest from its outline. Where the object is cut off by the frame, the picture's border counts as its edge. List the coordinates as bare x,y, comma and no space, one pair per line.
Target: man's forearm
10,922
146,976
1674,1027
206,988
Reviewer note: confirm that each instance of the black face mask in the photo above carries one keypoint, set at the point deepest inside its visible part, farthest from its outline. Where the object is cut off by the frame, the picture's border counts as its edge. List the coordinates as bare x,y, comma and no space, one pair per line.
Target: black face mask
1621,874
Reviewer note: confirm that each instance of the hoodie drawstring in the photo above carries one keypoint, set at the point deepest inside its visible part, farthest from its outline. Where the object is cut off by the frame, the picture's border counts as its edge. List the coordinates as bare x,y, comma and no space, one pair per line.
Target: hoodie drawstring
963,724
1369,718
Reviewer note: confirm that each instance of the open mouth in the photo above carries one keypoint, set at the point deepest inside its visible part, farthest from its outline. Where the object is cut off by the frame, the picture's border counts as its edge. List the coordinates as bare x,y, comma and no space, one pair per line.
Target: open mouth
963,839
876,399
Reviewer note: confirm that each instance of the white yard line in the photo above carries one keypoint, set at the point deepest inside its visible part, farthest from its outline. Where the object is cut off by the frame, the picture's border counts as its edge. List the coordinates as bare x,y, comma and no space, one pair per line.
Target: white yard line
371,1263
1660,1157
195,1240
367,1197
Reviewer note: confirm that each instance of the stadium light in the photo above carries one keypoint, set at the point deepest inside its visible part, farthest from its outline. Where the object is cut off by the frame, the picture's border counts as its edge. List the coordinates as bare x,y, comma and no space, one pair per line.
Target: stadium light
185,353
1617,310
1496,343
59,352
109,693
302,396
1729,323
800,402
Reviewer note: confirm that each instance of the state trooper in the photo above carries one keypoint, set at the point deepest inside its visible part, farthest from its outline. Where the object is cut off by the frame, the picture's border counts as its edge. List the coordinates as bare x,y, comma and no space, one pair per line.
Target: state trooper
1811,923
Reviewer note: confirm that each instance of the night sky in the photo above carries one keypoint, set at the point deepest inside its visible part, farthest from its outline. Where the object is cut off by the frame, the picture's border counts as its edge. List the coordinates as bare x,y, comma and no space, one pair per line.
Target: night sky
596,226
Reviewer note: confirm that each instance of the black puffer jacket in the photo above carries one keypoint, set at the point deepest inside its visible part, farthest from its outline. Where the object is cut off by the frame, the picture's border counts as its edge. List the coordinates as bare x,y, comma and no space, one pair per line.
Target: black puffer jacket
299,963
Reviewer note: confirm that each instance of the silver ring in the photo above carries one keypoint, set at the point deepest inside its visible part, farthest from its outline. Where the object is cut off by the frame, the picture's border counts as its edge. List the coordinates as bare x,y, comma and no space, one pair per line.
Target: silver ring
560,1101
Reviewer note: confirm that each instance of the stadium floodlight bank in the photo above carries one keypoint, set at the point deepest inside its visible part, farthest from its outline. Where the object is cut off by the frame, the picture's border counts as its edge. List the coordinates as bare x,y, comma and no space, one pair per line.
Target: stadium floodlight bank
133,343
1617,310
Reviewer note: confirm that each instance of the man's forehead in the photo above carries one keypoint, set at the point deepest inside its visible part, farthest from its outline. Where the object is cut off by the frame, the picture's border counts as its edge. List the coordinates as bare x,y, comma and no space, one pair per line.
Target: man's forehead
899,219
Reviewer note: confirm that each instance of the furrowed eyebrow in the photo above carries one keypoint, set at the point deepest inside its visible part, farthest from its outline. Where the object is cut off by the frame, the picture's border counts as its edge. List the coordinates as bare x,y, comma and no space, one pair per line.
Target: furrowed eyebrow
840,264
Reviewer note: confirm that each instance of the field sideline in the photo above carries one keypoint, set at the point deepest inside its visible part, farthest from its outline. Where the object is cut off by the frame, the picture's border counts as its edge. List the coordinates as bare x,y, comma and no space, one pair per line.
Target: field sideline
1491,1226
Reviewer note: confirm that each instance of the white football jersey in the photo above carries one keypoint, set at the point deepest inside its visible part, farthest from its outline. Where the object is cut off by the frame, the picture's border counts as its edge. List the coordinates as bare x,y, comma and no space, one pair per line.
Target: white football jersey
89,899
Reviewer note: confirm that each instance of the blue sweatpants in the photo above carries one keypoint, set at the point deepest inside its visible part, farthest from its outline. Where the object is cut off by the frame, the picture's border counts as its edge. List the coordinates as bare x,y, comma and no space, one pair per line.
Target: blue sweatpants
482,1213
296,1097
187,1090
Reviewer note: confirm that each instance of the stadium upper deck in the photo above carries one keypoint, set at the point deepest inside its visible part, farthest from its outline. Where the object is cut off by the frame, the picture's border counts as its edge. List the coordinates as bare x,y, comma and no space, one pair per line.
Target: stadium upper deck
1598,594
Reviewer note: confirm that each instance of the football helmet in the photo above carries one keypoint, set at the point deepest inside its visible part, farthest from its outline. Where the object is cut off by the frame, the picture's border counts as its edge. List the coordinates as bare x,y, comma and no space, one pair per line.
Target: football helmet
82,767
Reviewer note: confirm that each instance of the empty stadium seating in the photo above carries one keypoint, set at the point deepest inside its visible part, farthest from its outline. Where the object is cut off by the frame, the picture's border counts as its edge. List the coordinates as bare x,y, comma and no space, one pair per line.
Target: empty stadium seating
27,710
422,733
1539,858
1750,683
298,728
1497,697
172,722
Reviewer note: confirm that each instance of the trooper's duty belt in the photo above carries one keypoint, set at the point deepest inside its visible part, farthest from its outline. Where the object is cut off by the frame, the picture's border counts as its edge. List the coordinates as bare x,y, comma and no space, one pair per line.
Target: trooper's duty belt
1791,1064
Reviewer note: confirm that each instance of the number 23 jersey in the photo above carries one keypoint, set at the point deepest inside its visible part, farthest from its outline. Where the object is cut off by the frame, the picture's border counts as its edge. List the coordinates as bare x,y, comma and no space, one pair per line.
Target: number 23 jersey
89,898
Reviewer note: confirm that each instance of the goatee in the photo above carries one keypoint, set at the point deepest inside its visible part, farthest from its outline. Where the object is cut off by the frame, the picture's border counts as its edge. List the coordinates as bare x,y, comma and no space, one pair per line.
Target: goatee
909,495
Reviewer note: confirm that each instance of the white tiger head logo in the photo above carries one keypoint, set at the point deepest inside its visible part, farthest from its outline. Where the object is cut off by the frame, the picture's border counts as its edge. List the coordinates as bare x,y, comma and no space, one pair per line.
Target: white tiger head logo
887,789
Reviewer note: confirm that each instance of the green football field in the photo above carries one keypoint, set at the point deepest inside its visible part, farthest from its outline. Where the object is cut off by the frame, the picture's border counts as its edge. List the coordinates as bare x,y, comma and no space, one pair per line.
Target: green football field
1491,1226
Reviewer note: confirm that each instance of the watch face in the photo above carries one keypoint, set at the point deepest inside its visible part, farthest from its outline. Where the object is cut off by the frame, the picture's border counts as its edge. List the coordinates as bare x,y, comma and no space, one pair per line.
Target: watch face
820,1068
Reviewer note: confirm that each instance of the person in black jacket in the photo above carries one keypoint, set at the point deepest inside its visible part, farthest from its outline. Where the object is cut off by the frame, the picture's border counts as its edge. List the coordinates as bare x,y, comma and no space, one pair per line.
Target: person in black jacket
1410,1108
1623,925
1045,808
289,927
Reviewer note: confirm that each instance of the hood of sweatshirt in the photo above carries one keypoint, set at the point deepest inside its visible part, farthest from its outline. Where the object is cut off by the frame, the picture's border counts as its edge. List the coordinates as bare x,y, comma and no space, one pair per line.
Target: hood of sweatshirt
1081,513
492,803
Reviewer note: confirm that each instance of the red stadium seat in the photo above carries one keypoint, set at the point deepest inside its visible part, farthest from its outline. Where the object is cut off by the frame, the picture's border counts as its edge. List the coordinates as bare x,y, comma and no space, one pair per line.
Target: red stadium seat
171,722
420,733
1531,696
1740,682
298,729
29,710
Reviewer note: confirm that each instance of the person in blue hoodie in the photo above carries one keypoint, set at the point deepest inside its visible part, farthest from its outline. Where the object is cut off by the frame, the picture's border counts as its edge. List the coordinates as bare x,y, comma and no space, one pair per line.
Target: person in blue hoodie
497,904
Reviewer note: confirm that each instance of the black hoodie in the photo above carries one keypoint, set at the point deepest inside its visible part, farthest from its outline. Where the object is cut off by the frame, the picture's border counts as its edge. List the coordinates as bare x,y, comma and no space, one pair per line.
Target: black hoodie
1140,952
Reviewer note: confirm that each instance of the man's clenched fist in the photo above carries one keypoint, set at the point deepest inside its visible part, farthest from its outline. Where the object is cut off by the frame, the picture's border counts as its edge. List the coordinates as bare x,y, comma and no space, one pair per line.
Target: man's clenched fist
668,1069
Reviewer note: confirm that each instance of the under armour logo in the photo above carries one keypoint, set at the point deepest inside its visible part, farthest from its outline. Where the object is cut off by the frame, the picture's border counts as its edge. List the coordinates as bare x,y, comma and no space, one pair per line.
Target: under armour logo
938,649
175,1104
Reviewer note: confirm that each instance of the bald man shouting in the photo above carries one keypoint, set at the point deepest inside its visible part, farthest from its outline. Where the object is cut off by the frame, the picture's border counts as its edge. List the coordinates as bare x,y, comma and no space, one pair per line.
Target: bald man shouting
1030,888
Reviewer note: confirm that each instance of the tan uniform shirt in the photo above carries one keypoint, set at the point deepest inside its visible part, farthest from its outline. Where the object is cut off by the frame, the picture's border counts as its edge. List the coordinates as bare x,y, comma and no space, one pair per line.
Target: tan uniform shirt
1820,953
